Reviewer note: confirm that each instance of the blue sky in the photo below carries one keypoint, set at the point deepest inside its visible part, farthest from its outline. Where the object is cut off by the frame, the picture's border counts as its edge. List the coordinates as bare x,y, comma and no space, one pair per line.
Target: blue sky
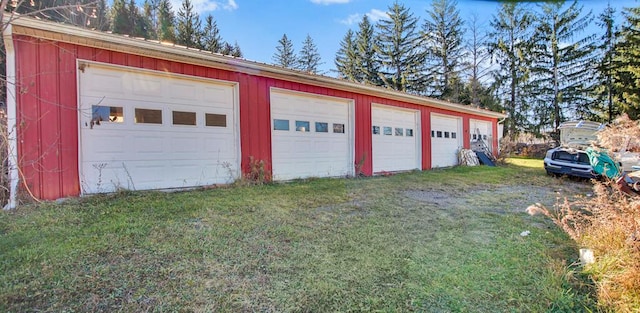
257,25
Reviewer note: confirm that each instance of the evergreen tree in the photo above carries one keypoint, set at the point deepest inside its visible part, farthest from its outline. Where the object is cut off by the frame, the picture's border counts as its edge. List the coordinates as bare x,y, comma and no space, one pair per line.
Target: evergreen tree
347,60
235,51
627,64
188,26
166,22
443,32
399,51
605,92
211,39
309,58
120,18
150,10
285,55
139,27
510,47
365,49
562,64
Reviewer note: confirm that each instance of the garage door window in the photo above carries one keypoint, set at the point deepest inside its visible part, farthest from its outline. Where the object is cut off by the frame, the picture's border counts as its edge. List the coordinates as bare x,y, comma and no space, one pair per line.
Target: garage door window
322,127
376,130
399,131
280,124
338,128
453,135
439,134
387,131
216,120
446,134
147,116
409,132
184,118
101,113
302,126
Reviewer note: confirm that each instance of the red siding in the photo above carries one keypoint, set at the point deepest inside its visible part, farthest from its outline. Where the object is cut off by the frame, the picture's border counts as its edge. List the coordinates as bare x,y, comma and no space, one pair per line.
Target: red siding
48,118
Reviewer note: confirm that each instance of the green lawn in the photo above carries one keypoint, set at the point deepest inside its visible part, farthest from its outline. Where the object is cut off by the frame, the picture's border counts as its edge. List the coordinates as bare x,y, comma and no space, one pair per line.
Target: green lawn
435,241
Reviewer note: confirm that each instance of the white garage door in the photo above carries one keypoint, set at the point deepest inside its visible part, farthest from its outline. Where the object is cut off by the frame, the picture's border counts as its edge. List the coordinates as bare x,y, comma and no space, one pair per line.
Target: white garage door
481,130
311,136
446,140
147,130
395,139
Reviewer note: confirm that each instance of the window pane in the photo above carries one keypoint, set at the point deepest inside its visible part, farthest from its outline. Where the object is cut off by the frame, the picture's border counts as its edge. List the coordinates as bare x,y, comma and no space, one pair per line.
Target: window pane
322,127
302,126
147,116
376,130
399,131
387,131
218,120
409,132
280,124
446,134
338,128
433,134
453,135
439,134
100,113
184,118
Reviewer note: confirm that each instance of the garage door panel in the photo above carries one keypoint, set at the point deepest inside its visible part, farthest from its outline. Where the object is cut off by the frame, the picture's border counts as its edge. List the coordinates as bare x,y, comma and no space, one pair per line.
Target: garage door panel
152,156
394,151
311,153
446,140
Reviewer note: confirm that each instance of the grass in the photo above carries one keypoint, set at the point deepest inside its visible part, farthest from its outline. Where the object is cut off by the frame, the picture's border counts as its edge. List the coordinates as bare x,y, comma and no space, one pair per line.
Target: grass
446,240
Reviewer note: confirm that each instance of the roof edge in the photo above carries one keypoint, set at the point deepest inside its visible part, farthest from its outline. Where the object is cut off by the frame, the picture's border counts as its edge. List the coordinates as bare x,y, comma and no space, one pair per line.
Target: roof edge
48,30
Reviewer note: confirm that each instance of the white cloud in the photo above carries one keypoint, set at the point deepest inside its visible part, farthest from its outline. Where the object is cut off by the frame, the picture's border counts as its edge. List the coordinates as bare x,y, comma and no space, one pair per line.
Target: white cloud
374,16
201,6
328,2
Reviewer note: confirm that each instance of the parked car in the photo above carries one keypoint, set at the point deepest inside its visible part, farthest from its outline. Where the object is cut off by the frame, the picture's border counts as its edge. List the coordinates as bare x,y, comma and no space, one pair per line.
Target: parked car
570,157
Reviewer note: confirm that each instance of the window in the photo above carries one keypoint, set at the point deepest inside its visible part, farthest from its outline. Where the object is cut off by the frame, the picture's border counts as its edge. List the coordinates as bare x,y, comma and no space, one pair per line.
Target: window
100,113
148,116
484,137
216,120
338,128
433,134
409,132
388,131
280,124
439,134
399,131
184,118
302,126
475,137
322,127
375,130
453,135
446,134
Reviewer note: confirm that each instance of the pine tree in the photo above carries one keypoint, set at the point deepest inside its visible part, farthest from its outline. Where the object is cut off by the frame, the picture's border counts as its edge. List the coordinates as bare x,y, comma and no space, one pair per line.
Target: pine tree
235,51
120,18
444,32
309,58
166,22
399,51
605,93
188,26
139,27
150,10
211,39
347,60
285,55
627,64
562,64
510,46
367,60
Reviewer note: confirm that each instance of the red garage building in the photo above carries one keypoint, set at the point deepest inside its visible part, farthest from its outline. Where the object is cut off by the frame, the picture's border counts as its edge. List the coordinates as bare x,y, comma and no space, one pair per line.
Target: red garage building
93,112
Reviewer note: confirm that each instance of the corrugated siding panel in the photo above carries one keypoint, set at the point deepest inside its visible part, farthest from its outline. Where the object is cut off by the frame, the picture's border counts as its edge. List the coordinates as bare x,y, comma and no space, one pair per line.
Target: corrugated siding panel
48,128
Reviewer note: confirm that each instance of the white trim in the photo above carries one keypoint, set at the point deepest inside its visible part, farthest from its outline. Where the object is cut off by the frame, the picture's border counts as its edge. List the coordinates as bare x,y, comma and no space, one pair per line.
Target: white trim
12,141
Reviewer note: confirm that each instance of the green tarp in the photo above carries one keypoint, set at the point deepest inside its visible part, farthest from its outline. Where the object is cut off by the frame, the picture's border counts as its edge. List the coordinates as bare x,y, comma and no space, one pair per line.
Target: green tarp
603,164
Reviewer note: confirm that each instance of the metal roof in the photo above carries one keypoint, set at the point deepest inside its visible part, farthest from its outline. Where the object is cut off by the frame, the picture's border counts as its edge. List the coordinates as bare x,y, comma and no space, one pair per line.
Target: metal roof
29,26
